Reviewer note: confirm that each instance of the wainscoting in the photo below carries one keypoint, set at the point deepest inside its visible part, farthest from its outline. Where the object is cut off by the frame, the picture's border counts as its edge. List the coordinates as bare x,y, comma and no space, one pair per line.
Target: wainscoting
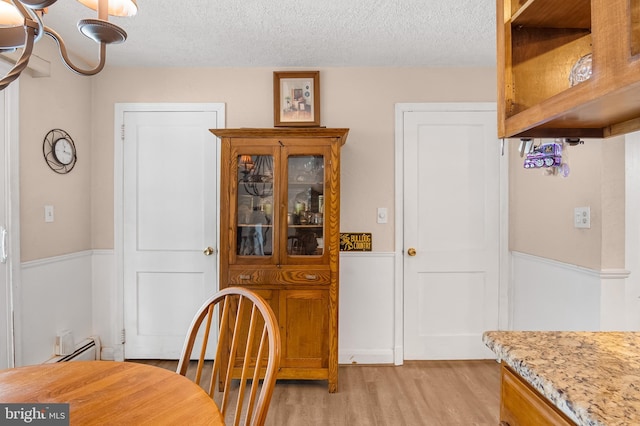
366,320
550,295
78,292
56,295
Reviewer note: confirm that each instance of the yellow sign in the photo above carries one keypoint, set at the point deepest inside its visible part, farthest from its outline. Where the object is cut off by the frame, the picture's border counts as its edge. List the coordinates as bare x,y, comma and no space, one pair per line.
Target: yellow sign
355,241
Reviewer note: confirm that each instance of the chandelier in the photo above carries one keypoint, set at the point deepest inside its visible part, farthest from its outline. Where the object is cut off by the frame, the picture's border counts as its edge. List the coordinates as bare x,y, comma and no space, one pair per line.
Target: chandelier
21,27
257,176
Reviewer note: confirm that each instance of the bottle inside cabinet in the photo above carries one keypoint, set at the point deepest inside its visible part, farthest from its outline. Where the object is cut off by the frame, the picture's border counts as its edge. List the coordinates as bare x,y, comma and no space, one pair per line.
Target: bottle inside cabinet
255,205
305,195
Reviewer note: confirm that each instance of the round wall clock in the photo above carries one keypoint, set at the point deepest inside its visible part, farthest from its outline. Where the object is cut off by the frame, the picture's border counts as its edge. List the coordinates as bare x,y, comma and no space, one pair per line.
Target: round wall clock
59,151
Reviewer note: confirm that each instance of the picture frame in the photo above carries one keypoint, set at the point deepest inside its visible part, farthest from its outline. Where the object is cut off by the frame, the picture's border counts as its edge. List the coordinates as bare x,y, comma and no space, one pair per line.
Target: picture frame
296,98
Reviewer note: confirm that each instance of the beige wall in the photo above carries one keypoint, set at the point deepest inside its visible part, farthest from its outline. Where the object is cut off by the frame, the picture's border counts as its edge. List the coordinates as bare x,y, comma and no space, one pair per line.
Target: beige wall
361,99
61,101
541,206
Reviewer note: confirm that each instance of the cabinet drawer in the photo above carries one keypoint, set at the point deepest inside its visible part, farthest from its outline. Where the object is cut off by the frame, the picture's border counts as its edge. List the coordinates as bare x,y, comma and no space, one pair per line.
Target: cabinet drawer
521,405
279,276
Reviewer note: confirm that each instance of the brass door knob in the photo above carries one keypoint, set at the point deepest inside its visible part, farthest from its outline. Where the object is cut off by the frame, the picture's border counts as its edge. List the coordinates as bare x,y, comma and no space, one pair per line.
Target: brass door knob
411,251
209,251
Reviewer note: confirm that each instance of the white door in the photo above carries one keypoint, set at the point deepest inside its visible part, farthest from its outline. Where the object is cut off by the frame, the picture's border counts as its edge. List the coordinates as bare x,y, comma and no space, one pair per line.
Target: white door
5,288
170,180
452,221
9,227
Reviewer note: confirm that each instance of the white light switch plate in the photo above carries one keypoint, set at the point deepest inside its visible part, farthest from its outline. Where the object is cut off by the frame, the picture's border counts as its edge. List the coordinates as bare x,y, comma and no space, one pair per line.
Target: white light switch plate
48,213
382,215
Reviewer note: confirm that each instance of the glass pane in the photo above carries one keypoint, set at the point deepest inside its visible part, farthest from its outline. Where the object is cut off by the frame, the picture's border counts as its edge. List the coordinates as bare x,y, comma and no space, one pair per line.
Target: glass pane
635,27
255,205
305,214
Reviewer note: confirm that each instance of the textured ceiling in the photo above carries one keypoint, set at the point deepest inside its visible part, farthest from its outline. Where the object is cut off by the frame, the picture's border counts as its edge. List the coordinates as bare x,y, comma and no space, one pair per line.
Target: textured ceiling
292,33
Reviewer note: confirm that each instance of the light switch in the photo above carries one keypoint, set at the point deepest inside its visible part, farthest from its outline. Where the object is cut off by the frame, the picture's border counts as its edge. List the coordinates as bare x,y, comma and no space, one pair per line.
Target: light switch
382,215
582,217
48,213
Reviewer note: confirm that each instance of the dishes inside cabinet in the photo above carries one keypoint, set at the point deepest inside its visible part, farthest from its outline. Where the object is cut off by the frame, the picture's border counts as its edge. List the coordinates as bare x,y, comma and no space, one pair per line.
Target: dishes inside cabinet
581,70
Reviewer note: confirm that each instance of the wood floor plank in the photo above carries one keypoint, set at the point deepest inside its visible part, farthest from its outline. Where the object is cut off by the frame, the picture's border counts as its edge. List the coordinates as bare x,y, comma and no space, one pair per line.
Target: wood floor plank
429,393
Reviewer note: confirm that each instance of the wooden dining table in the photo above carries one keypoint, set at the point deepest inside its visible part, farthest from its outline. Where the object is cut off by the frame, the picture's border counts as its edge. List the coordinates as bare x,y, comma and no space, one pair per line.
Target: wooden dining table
109,392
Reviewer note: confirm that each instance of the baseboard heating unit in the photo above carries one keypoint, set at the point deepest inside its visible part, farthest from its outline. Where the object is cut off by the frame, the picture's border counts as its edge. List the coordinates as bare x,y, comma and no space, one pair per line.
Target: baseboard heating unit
86,350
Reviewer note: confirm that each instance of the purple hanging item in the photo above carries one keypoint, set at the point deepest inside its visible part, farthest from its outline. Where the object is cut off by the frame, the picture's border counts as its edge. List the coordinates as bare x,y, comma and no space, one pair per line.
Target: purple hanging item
545,155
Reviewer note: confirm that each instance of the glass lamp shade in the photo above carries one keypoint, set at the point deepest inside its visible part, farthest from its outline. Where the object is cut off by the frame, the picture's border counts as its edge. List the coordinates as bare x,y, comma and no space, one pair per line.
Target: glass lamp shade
116,7
12,34
9,15
37,4
246,161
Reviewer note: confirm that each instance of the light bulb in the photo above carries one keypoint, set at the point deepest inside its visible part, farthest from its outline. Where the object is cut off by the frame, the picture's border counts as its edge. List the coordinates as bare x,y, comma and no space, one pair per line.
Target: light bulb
9,15
116,7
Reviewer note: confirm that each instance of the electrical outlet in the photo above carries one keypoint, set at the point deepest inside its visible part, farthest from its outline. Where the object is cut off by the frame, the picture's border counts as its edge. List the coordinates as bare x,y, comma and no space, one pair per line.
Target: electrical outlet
582,217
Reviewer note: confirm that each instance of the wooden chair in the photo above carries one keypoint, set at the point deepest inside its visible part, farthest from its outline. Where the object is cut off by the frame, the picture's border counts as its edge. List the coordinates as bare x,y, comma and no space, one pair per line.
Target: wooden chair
247,337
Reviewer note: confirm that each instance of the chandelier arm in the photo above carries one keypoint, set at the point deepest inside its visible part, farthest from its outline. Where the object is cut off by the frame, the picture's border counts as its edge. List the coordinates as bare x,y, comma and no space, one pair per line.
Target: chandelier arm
21,64
31,18
65,57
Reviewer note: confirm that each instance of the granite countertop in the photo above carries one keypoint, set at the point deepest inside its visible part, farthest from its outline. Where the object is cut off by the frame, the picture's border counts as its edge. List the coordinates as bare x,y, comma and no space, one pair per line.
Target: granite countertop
592,377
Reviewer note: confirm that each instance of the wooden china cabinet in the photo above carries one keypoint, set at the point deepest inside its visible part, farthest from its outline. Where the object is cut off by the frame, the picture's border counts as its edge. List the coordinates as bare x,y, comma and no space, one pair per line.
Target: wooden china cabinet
279,216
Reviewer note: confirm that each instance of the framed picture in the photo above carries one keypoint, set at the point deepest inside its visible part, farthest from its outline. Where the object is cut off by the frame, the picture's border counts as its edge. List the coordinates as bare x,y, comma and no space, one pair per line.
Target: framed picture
296,98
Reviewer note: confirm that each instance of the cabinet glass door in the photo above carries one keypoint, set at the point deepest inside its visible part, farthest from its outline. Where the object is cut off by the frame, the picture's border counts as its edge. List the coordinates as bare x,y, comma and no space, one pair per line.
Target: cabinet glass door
255,205
305,213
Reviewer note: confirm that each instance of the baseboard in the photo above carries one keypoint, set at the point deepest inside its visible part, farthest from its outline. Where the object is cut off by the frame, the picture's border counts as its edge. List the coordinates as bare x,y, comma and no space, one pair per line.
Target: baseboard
365,357
107,354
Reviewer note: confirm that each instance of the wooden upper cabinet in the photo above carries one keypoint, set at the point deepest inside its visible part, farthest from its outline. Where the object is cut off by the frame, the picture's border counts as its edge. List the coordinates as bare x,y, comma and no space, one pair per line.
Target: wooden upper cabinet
540,41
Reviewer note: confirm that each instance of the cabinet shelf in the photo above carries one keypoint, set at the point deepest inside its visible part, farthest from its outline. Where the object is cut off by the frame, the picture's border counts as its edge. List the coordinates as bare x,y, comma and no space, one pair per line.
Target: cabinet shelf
304,184
552,14
539,41
245,182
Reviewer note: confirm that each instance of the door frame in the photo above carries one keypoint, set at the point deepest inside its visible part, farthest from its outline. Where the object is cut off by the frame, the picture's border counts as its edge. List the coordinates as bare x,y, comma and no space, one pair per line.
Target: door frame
503,302
118,202
11,208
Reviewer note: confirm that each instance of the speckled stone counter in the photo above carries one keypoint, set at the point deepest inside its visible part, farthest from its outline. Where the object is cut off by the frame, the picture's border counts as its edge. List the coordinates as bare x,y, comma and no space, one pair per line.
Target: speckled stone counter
592,377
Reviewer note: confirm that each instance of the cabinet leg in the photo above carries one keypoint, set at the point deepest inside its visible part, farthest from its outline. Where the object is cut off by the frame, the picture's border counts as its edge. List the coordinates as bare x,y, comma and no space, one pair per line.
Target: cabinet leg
333,380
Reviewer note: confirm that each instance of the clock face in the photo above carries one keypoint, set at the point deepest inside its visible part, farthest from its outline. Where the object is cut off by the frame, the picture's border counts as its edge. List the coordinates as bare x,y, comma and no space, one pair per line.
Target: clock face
59,151
63,152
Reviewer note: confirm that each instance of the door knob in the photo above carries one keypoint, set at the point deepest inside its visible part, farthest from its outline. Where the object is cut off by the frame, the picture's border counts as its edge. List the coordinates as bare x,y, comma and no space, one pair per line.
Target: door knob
411,251
209,251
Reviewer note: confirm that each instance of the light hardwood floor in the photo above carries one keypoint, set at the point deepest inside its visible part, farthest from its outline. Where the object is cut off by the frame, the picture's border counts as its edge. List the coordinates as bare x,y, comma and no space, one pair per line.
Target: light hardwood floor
429,393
